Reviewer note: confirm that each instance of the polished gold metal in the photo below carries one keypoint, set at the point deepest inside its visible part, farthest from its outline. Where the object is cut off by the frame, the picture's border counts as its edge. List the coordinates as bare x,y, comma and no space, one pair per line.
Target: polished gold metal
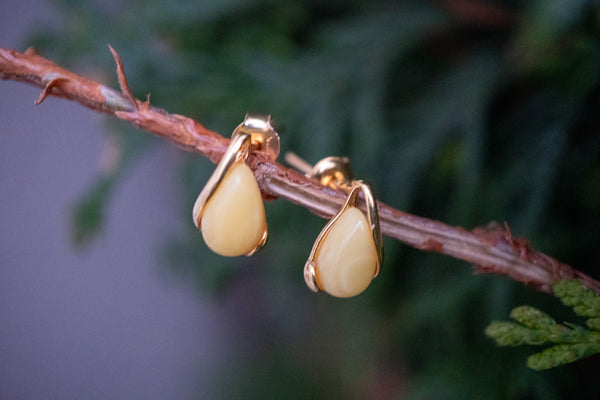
263,136
335,172
254,133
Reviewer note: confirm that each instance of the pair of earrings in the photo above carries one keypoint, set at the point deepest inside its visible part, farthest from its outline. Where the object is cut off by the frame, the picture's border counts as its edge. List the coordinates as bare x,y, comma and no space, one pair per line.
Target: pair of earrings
229,211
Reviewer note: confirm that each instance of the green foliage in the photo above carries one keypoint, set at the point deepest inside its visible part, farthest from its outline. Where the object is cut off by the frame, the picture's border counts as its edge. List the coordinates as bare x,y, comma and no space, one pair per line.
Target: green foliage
534,327
87,216
449,118
584,302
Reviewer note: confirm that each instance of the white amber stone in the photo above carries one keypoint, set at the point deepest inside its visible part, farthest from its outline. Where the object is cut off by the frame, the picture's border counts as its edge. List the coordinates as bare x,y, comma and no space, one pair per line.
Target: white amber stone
233,222
347,259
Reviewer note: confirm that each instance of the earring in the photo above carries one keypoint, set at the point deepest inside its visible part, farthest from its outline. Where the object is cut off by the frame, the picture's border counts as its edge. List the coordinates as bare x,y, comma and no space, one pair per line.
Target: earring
229,211
348,252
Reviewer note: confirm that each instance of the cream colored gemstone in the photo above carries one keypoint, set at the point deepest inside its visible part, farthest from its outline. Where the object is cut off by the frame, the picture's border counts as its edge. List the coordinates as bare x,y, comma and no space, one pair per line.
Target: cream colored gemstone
233,222
347,259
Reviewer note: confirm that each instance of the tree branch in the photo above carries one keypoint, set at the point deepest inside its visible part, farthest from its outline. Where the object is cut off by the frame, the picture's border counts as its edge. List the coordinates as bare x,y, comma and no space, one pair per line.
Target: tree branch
491,249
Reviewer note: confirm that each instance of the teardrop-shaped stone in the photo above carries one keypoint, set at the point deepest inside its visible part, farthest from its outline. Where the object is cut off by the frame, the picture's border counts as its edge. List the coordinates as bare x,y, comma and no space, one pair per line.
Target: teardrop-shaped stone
347,259
233,222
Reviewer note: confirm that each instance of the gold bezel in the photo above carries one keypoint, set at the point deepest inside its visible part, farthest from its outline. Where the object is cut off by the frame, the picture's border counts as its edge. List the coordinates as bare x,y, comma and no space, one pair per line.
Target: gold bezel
254,133
310,275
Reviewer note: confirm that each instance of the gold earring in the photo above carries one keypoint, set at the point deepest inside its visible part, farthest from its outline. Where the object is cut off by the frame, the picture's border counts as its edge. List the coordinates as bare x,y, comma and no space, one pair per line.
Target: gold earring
348,252
229,210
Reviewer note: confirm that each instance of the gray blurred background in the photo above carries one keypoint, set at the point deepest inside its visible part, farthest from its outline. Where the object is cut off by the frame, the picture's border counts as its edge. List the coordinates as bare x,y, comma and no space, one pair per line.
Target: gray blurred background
103,322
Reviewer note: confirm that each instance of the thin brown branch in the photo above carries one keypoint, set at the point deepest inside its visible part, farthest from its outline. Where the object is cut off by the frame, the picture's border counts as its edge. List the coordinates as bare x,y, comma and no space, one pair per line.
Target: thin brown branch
491,249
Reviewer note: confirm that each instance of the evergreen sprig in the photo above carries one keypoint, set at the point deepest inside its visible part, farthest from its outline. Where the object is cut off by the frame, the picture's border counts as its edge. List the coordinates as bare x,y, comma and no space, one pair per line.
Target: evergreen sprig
534,327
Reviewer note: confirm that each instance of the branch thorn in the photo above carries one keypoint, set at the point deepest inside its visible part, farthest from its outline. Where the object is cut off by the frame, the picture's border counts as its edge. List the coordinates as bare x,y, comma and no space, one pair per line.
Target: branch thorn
122,79
50,84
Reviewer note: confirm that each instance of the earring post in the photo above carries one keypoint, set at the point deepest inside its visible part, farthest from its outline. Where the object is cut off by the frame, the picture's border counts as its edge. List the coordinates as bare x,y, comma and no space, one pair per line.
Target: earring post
297,162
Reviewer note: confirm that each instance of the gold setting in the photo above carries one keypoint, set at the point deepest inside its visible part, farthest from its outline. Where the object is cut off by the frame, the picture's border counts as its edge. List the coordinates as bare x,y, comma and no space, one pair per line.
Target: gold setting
254,133
335,172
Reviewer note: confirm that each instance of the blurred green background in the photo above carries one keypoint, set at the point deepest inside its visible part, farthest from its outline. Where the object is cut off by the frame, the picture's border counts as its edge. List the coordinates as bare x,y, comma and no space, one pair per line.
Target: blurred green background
464,111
